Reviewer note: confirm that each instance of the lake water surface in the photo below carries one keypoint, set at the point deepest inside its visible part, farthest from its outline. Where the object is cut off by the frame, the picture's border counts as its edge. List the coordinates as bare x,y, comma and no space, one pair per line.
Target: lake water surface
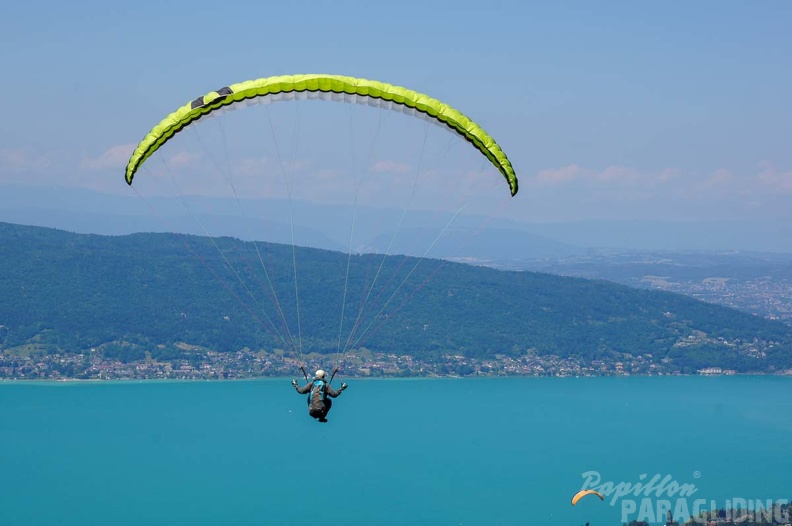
503,451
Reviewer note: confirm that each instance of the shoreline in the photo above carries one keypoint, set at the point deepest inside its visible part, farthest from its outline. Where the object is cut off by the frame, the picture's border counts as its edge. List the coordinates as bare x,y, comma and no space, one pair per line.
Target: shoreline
86,381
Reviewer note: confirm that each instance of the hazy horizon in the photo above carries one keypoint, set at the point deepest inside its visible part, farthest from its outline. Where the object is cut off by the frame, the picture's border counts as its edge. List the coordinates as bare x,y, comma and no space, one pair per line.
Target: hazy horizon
88,212
629,113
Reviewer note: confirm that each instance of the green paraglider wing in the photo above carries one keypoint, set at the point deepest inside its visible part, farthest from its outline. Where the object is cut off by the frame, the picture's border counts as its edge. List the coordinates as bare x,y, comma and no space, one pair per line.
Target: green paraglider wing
338,88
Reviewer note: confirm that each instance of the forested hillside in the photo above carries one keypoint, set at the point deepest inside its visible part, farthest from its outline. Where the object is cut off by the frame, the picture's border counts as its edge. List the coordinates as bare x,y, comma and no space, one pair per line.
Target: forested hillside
66,292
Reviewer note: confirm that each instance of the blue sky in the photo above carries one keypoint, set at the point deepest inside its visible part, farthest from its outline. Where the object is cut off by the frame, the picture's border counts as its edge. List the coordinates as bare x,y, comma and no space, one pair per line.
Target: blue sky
608,110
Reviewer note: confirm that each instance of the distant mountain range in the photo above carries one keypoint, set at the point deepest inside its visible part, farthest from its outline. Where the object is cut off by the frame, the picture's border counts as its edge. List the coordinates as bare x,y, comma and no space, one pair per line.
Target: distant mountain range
467,238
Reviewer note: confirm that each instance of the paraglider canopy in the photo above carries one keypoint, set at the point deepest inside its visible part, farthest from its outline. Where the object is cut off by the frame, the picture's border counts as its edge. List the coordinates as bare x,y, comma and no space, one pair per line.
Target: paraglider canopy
358,181
334,87
580,494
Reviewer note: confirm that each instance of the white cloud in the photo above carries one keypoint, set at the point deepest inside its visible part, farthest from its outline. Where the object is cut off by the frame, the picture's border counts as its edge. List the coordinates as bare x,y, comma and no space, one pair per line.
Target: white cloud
329,174
559,175
298,165
184,159
114,158
567,192
773,179
390,166
117,157
24,160
609,176
623,192
249,167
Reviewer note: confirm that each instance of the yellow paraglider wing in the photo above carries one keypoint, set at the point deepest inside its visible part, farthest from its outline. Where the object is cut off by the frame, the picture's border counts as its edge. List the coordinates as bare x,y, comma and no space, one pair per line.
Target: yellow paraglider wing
580,494
334,87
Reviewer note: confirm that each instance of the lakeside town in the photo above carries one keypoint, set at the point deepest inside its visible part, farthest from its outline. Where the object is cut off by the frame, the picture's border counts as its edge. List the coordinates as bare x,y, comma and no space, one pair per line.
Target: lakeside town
763,296
760,289
202,364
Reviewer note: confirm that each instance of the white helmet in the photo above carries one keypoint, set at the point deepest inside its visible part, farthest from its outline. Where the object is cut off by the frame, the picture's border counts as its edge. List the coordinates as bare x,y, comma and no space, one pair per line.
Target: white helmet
320,374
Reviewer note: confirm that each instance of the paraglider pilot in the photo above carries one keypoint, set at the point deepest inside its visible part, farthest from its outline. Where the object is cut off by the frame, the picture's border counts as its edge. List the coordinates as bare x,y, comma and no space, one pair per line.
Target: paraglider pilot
318,402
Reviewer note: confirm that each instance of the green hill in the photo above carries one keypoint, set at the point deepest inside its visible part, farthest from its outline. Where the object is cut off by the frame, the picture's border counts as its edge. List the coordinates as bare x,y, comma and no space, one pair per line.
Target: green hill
62,292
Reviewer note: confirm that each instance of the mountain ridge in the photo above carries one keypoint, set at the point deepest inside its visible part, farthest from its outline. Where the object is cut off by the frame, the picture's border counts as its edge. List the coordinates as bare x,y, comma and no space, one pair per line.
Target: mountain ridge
68,292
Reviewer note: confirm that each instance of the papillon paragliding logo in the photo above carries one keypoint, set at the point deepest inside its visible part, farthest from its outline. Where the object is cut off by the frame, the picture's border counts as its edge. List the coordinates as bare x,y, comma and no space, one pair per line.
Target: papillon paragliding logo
658,486
653,498
662,499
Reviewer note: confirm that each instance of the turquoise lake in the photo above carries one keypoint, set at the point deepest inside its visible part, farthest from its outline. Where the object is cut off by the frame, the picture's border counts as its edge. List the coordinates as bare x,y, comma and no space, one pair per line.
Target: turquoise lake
501,451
